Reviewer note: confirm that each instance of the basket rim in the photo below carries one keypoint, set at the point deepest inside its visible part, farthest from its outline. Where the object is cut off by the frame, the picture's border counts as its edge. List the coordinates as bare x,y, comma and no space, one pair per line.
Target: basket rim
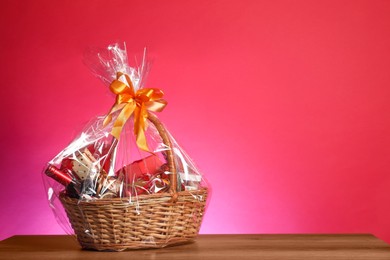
165,196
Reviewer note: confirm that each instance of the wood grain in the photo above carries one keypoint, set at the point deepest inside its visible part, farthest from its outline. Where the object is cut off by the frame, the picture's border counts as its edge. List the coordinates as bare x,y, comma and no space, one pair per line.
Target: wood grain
268,247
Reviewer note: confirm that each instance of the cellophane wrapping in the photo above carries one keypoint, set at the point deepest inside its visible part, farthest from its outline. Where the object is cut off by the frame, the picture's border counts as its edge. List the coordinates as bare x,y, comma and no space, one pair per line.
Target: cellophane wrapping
124,182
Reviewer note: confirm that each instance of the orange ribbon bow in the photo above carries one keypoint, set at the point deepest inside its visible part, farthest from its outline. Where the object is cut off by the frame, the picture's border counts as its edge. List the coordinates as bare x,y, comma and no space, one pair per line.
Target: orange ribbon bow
133,103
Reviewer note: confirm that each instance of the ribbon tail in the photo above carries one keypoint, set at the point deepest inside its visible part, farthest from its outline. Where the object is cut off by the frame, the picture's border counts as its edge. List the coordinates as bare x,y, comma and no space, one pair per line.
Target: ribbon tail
108,118
141,141
140,124
122,118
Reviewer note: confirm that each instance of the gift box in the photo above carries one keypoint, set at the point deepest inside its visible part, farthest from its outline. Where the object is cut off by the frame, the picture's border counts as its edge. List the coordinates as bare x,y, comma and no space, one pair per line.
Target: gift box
124,182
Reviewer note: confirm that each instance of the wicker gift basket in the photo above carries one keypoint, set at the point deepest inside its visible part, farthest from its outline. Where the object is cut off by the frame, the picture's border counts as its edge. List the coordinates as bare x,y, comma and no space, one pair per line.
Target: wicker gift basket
106,211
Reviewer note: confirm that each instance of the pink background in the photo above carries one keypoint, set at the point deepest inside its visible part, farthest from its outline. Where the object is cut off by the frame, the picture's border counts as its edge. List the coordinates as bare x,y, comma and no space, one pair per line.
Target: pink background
284,105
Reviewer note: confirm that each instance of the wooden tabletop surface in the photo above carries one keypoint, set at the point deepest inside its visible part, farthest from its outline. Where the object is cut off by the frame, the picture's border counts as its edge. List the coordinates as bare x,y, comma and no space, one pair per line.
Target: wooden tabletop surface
267,247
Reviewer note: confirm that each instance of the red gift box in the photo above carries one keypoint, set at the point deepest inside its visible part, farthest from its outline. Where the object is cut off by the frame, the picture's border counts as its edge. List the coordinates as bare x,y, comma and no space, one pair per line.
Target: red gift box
145,167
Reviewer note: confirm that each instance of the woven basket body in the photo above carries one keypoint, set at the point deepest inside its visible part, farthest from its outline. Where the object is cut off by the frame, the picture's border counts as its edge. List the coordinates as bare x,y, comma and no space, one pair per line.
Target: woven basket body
145,221
151,221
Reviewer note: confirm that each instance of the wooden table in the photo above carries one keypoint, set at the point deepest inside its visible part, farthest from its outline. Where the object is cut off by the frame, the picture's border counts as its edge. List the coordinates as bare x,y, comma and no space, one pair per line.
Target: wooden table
356,246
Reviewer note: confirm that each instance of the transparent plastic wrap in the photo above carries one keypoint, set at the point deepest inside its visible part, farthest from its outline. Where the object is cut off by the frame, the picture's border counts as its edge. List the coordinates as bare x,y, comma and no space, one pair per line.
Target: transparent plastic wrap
124,182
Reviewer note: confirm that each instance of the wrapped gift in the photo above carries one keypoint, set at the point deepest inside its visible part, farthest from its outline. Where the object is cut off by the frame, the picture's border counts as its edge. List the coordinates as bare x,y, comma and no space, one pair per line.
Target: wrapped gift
124,182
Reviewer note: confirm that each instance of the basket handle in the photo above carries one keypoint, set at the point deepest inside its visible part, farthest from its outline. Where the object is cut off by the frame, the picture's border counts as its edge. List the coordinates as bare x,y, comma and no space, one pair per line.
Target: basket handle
170,158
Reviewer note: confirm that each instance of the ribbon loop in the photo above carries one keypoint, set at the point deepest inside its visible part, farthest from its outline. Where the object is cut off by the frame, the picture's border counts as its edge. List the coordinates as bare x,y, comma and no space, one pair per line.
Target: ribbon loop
133,103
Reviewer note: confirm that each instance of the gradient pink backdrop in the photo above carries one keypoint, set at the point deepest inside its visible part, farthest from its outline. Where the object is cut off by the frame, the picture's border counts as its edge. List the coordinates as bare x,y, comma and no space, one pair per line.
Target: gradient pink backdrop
284,105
